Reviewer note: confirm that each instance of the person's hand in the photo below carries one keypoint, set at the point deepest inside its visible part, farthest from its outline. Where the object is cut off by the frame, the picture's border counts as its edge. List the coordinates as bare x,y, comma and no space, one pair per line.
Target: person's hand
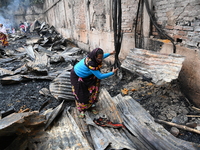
113,52
114,70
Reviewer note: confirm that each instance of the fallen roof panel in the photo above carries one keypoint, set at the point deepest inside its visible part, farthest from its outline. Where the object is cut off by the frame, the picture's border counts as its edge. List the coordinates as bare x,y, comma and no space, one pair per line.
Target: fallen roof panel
157,66
140,123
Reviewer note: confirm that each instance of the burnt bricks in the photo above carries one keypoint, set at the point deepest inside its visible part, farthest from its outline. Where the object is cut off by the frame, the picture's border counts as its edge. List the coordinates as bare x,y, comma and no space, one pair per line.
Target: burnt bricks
178,28
169,27
184,33
188,28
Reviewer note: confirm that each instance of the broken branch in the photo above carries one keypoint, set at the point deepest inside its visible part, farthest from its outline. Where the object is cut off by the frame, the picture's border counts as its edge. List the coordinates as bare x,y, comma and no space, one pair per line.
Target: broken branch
178,126
195,116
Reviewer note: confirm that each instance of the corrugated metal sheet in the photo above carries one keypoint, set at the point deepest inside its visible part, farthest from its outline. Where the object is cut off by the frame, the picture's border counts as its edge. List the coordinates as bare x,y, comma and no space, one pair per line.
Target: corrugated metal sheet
68,132
65,135
160,67
141,124
60,87
141,131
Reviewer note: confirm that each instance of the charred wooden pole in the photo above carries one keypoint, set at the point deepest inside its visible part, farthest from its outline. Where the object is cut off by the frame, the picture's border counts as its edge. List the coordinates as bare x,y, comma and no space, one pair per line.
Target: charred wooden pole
139,28
160,31
138,25
117,19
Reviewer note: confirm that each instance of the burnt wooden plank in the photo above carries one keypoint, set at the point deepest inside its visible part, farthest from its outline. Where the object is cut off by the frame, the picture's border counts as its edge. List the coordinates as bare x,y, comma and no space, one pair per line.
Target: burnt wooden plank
160,67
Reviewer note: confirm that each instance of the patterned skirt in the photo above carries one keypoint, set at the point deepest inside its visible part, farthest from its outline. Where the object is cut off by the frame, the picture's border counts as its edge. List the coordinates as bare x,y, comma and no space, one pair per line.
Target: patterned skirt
85,90
3,39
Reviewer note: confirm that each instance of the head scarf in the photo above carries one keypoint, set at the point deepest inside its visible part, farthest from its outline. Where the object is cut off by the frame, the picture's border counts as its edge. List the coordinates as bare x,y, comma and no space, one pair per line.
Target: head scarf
90,60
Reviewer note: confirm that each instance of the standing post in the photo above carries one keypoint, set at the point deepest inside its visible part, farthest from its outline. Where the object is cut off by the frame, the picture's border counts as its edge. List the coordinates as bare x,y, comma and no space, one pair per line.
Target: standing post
146,24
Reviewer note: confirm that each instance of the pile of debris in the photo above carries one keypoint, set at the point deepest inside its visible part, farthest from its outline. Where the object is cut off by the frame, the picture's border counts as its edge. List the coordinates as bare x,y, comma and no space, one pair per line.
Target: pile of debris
35,81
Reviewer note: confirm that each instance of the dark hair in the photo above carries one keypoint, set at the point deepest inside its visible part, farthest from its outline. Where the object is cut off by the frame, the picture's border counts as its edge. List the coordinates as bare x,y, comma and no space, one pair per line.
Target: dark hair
99,51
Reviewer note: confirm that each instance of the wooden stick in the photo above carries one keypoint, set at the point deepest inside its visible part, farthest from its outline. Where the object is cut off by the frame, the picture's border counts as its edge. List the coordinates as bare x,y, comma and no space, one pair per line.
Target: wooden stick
193,107
178,126
196,109
196,116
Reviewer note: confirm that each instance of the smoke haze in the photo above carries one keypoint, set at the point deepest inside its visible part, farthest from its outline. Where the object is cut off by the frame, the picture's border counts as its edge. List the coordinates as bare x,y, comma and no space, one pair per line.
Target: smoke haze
7,17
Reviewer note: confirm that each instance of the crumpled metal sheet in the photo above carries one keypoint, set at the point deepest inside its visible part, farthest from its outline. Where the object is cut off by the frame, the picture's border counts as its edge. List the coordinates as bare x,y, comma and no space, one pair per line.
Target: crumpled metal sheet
11,79
141,124
30,51
141,131
160,67
40,63
19,122
6,60
69,132
61,88
72,54
103,137
4,72
65,135
54,114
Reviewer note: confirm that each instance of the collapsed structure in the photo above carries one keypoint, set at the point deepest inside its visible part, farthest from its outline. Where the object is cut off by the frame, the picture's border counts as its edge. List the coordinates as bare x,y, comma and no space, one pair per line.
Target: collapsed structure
127,126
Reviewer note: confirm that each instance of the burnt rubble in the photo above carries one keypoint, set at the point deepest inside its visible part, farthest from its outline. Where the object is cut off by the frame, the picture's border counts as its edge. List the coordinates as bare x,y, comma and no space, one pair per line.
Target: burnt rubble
38,109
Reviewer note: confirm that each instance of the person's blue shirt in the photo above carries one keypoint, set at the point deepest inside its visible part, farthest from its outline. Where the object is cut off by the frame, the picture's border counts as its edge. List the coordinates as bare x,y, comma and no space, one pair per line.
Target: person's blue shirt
83,71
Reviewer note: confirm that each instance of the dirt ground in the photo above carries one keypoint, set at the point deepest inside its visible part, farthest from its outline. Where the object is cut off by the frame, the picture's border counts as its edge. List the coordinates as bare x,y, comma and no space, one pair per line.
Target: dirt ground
165,102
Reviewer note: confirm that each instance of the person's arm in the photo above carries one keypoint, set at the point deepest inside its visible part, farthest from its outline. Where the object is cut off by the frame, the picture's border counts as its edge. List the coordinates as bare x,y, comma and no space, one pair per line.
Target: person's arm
108,54
100,75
